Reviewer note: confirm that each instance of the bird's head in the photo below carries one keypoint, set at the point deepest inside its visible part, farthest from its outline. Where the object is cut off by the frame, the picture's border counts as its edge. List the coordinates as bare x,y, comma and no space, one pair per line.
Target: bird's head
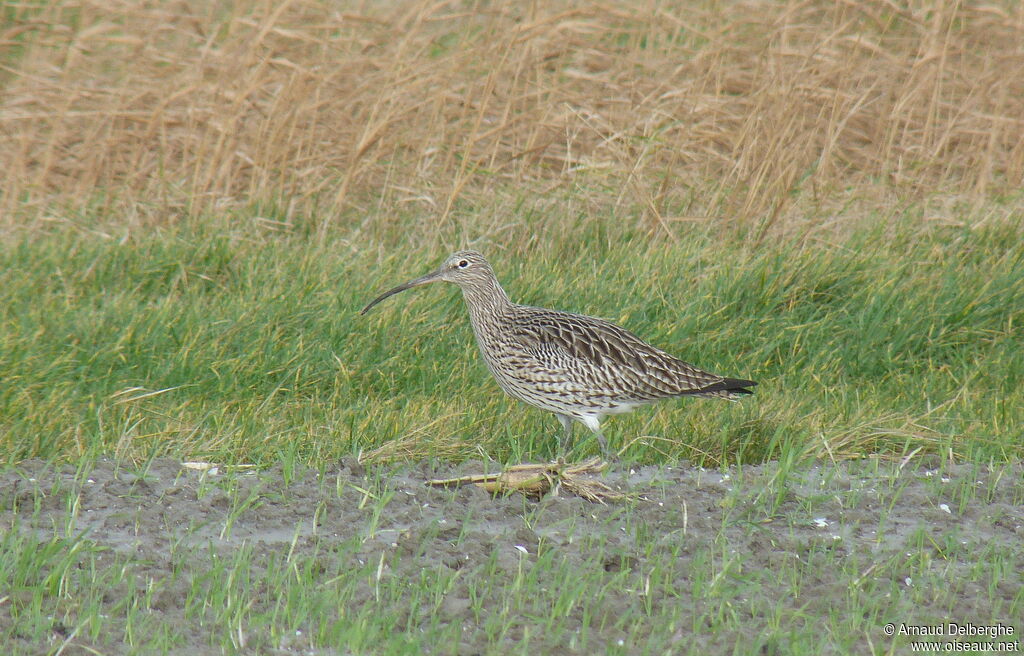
467,269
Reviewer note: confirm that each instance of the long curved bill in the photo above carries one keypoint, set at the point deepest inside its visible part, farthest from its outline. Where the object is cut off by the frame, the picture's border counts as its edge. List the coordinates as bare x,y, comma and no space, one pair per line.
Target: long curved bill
422,280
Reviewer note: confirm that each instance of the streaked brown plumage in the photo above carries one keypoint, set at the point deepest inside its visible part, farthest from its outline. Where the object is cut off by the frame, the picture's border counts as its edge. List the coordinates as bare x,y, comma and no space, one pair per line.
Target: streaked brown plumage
575,366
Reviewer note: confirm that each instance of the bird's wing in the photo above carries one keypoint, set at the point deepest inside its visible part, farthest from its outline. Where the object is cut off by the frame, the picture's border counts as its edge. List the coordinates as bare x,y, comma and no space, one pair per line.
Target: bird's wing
598,345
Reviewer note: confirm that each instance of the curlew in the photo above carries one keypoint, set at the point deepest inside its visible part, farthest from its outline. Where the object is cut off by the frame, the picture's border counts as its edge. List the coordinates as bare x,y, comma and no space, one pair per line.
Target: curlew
578,367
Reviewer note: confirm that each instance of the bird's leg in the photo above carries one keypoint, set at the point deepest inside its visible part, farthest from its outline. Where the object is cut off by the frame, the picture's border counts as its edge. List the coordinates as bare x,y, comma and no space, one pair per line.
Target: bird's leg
563,444
604,445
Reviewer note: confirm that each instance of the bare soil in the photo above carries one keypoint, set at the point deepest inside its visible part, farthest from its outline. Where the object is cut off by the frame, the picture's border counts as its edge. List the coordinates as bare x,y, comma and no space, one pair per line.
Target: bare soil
864,512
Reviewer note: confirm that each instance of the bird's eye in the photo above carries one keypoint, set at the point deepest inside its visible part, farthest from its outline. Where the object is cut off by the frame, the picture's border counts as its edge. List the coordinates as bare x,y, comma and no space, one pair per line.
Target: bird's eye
463,264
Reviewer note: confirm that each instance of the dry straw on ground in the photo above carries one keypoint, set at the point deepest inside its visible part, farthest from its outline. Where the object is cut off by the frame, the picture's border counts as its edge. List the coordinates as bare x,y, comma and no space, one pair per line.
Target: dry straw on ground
536,480
684,110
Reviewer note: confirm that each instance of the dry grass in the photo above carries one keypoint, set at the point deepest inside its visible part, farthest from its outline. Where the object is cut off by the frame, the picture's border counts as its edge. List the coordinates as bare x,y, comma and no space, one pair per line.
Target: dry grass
536,480
145,112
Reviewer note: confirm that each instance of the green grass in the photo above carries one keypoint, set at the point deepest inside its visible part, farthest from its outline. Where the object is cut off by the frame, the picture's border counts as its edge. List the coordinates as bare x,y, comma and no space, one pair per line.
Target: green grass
216,340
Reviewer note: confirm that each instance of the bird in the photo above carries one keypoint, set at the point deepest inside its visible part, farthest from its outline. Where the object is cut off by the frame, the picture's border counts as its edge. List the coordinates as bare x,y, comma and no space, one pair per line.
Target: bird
578,367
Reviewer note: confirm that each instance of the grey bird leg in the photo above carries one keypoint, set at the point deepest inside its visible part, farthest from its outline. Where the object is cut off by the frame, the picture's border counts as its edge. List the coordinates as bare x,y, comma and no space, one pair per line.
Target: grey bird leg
604,445
567,437
567,434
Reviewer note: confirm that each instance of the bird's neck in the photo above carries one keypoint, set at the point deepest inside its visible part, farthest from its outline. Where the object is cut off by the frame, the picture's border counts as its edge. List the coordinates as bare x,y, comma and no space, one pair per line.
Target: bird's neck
487,302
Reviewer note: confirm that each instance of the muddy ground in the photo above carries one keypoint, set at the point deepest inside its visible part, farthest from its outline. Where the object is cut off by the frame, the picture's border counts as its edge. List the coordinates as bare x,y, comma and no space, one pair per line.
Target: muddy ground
859,520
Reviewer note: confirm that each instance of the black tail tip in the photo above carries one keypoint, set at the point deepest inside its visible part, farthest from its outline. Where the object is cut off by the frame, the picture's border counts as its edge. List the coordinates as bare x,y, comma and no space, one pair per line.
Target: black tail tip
737,386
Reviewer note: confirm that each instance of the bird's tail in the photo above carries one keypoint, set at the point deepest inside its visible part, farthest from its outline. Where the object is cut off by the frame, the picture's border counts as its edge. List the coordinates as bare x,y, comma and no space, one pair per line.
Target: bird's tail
727,388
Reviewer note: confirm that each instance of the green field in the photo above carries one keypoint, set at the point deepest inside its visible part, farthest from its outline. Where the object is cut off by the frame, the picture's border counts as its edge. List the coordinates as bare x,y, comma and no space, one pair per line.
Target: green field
217,341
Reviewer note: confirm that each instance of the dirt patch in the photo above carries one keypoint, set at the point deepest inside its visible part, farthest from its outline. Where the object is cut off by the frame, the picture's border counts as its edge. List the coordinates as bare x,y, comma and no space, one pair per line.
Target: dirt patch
859,537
